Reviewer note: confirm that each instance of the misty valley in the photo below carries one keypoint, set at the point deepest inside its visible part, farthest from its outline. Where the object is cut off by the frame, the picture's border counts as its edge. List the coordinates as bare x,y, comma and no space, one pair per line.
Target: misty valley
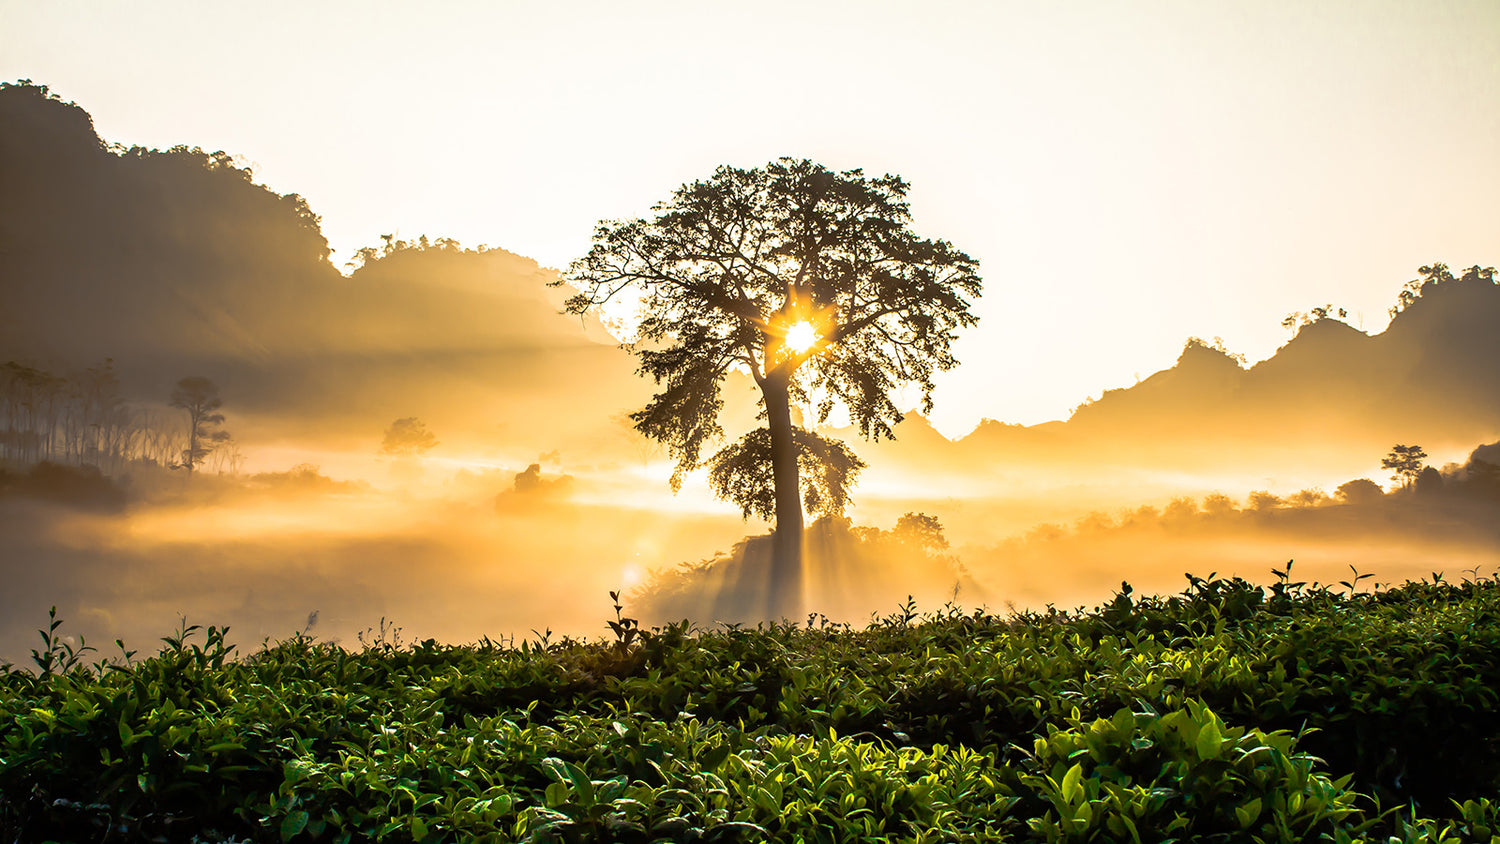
445,545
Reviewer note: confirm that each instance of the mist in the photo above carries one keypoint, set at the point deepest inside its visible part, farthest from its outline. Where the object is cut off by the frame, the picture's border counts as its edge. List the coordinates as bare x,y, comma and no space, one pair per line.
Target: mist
462,556
421,438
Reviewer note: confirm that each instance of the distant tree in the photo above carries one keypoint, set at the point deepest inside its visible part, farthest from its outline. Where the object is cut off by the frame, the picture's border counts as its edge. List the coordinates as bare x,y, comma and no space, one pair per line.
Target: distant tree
1434,275
1262,501
1360,491
1482,478
1405,462
200,398
1429,482
1180,511
1217,345
1297,319
1219,505
806,280
1482,472
1308,498
922,530
407,436
227,457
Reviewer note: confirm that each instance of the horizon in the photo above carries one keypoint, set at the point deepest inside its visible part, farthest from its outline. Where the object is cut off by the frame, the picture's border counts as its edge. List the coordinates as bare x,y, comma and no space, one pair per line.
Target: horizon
201,412
1283,178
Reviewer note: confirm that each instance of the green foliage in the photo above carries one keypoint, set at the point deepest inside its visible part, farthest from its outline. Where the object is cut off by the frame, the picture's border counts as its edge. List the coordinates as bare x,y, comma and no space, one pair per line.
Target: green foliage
722,272
827,469
1229,712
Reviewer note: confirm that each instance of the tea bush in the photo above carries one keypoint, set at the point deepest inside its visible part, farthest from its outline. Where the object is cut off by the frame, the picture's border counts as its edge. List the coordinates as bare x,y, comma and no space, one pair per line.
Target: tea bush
1229,712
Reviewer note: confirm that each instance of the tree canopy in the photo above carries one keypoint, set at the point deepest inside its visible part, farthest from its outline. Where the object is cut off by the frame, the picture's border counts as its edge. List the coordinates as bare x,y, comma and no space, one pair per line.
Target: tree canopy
807,280
407,436
200,398
1405,461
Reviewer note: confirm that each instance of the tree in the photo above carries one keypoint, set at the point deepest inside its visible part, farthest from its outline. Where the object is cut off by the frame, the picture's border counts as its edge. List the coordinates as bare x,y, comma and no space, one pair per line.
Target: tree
1360,491
1435,275
1405,461
810,282
407,436
922,530
200,398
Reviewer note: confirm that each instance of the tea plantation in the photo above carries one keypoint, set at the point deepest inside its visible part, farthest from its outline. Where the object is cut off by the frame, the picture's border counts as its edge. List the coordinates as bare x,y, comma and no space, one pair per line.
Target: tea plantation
1230,712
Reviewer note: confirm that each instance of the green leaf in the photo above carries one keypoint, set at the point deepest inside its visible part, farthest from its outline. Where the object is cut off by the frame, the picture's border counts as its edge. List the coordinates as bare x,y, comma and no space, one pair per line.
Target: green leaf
293,824
1071,788
1210,742
1248,813
712,758
581,783
557,794
556,767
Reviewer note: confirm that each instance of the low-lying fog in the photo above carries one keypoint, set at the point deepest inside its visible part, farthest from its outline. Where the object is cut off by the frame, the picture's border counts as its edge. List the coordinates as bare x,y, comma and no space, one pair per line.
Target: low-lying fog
455,550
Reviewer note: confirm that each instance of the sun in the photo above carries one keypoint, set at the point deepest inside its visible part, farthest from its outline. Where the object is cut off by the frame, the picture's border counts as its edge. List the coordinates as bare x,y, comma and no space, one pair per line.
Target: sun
801,336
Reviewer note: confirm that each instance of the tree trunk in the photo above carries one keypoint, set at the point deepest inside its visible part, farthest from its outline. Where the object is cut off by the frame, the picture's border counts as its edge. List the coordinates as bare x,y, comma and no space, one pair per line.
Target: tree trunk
192,452
785,593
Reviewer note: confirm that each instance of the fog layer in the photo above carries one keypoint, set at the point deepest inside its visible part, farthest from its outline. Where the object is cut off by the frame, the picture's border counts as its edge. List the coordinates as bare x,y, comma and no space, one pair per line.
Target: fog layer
124,271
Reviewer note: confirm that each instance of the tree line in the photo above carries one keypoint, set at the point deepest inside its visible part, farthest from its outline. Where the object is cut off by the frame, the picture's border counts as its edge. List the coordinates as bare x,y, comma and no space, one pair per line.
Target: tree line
83,419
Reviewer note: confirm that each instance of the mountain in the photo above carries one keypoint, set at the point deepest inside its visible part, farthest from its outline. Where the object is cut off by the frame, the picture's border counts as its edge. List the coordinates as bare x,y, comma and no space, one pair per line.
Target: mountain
1333,399
176,263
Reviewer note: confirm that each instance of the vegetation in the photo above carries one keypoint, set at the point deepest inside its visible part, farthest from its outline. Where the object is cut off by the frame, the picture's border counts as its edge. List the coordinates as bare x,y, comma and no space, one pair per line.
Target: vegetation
82,419
406,437
1406,462
1436,274
200,398
811,283
1230,712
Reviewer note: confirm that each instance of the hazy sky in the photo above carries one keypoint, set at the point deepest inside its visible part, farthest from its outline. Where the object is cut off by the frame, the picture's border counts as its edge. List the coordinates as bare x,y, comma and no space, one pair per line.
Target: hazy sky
1128,174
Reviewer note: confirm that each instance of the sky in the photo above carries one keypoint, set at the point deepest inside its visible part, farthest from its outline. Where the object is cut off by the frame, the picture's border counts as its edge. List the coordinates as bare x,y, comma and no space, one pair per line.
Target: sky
1128,175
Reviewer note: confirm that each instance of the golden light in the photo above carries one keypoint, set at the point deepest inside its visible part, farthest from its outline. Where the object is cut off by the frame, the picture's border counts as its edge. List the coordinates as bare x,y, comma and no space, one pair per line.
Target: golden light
801,336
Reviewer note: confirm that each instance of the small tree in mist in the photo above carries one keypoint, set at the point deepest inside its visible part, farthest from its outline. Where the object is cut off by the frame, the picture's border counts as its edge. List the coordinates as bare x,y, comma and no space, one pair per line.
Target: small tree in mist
406,437
1405,463
810,282
1360,491
200,398
922,530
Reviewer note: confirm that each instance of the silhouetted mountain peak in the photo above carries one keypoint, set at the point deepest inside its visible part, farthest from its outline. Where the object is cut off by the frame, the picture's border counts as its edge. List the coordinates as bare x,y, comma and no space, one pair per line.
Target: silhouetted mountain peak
1432,377
1203,377
1317,348
1200,357
1467,307
1327,330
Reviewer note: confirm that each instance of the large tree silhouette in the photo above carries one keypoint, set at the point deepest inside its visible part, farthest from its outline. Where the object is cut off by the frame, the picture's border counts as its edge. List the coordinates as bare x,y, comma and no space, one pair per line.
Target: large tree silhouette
809,281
